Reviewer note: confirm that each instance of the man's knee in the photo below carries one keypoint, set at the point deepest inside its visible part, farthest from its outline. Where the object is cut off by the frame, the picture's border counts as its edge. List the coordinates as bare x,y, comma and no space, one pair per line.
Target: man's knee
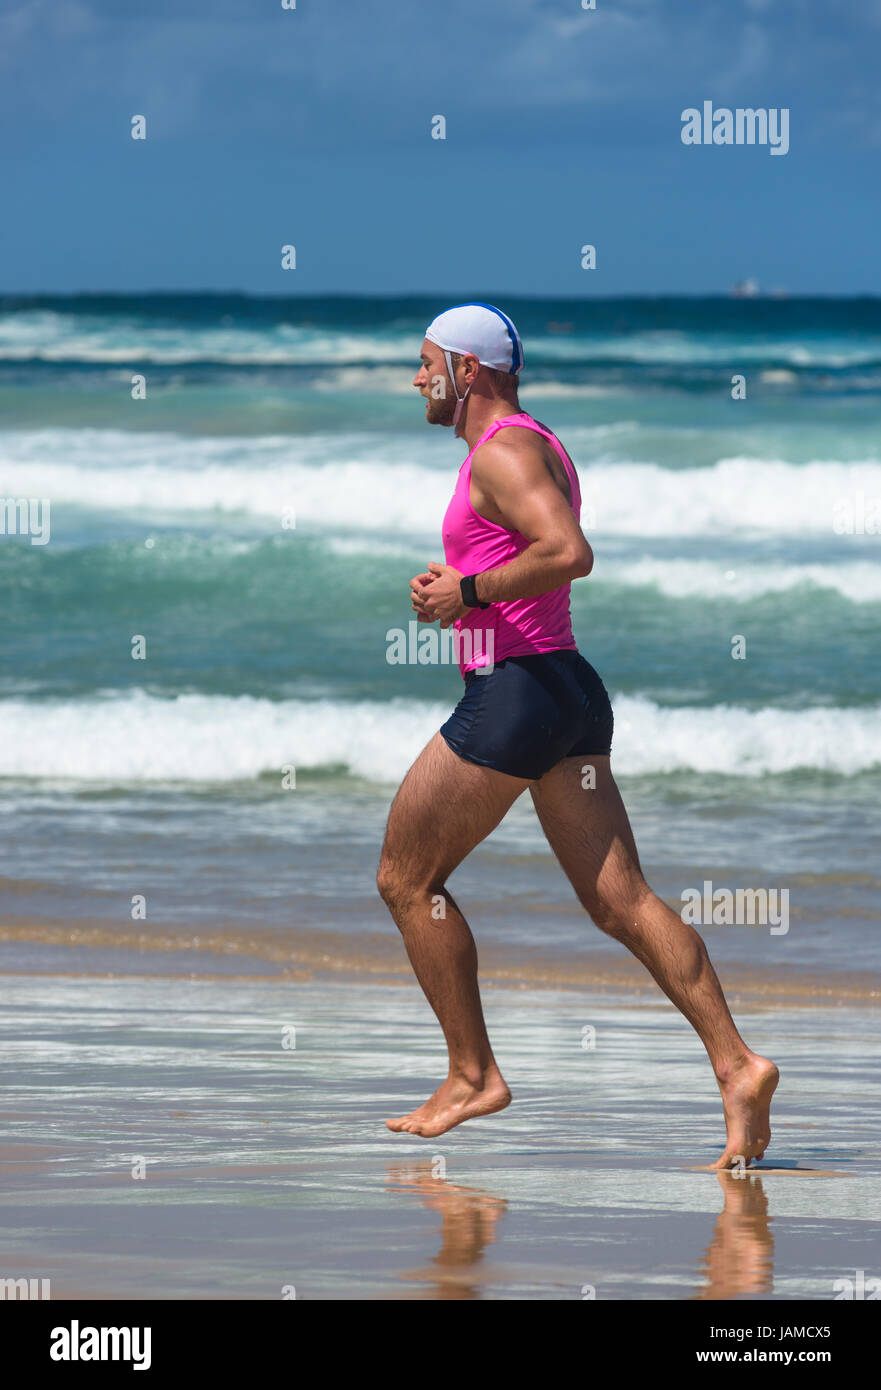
388,880
400,887
616,911
607,914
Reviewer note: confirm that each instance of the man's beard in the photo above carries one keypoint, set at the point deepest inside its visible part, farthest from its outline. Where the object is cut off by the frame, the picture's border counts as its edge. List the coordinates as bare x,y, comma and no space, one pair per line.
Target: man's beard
440,410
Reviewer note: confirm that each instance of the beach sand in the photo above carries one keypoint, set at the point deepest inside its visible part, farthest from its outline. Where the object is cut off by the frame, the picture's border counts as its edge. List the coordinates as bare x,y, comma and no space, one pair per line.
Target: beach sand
255,1109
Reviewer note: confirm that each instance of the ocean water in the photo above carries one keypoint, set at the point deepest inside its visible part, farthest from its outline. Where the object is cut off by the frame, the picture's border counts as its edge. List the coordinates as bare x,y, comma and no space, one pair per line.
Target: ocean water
256,520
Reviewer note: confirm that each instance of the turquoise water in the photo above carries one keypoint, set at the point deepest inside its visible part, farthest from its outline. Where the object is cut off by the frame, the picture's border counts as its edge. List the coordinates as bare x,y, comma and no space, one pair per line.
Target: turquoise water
266,642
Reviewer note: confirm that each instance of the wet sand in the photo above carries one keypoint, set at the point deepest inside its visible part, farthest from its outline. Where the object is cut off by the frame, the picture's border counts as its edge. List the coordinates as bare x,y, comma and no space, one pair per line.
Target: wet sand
256,1110
300,953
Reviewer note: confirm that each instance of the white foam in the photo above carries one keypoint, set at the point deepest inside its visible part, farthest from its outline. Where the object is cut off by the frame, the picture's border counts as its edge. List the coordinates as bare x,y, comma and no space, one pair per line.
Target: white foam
345,480
131,738
859,581
134,738
563,390
47,336
733,741
372,483
52,336
744,494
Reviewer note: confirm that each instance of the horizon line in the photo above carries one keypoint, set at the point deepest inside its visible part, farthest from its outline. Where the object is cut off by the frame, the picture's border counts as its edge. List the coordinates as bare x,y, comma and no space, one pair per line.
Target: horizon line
778,295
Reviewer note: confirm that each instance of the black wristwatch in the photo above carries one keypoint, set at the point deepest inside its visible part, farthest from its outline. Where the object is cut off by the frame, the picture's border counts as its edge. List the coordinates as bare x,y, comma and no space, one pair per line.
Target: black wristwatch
469,593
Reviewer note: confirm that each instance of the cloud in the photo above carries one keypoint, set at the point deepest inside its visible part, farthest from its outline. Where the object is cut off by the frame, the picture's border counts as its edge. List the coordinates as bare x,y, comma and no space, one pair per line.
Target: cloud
346,72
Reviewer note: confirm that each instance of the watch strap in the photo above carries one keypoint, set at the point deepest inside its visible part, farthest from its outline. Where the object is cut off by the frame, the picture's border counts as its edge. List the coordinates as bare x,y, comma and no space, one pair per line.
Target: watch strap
469,592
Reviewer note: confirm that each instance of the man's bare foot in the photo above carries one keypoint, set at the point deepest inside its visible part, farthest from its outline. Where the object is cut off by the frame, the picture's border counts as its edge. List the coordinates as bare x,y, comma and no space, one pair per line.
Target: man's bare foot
747,1089
454,1101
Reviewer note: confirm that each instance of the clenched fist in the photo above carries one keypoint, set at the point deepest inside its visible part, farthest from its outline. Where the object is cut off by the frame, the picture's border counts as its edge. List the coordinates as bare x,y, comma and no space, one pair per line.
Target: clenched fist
436,595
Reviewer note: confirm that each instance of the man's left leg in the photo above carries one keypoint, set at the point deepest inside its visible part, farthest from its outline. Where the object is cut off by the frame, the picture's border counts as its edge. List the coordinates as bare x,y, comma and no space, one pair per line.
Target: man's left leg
590,834
445,807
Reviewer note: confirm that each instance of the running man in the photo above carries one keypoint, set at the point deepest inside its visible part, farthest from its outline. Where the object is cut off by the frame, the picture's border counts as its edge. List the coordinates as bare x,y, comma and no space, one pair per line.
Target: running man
532,719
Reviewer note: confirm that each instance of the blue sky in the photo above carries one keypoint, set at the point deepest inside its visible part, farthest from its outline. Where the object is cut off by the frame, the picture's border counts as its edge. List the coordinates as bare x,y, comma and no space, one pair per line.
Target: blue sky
312,127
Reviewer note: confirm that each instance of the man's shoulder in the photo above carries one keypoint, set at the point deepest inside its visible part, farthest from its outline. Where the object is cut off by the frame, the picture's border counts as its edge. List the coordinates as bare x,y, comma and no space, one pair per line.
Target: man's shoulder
510,442
514,448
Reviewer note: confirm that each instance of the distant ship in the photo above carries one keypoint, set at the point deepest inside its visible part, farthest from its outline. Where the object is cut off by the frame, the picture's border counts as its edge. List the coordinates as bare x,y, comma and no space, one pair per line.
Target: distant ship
744,289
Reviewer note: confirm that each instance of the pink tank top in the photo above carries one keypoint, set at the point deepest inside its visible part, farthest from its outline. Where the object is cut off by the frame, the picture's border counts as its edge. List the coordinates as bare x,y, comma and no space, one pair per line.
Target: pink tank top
472,544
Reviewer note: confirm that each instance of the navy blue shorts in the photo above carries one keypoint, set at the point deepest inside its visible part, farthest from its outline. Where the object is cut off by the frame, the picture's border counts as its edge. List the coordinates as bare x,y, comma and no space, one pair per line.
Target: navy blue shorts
530,712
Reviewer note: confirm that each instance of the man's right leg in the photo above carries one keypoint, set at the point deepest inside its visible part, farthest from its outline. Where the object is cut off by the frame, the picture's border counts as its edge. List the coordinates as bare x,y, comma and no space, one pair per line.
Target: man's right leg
445,806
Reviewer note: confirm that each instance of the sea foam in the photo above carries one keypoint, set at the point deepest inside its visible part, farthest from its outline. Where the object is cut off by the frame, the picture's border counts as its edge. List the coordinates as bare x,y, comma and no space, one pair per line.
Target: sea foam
375,484
134,737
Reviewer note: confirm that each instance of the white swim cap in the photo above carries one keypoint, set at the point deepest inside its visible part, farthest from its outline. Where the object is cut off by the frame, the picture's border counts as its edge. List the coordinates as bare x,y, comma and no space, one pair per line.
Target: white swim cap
481,329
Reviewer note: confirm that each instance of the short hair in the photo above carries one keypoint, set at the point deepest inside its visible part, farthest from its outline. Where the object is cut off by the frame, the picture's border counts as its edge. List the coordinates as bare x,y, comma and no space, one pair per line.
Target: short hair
503,381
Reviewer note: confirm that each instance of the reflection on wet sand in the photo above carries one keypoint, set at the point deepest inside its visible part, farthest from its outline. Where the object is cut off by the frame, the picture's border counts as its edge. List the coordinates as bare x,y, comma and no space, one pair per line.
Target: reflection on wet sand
468,1222
738,1261
740,1257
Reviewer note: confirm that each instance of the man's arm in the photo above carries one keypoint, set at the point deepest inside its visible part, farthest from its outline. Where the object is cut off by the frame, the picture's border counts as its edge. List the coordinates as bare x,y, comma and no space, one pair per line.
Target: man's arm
515,482
515,489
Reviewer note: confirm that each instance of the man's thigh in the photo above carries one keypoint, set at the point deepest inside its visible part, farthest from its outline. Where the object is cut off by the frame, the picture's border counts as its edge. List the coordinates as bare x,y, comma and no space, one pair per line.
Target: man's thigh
444,807
587,827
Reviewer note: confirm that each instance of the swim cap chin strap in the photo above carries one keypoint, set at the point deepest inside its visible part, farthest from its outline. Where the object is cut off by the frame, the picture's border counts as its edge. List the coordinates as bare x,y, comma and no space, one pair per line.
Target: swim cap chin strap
460,400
